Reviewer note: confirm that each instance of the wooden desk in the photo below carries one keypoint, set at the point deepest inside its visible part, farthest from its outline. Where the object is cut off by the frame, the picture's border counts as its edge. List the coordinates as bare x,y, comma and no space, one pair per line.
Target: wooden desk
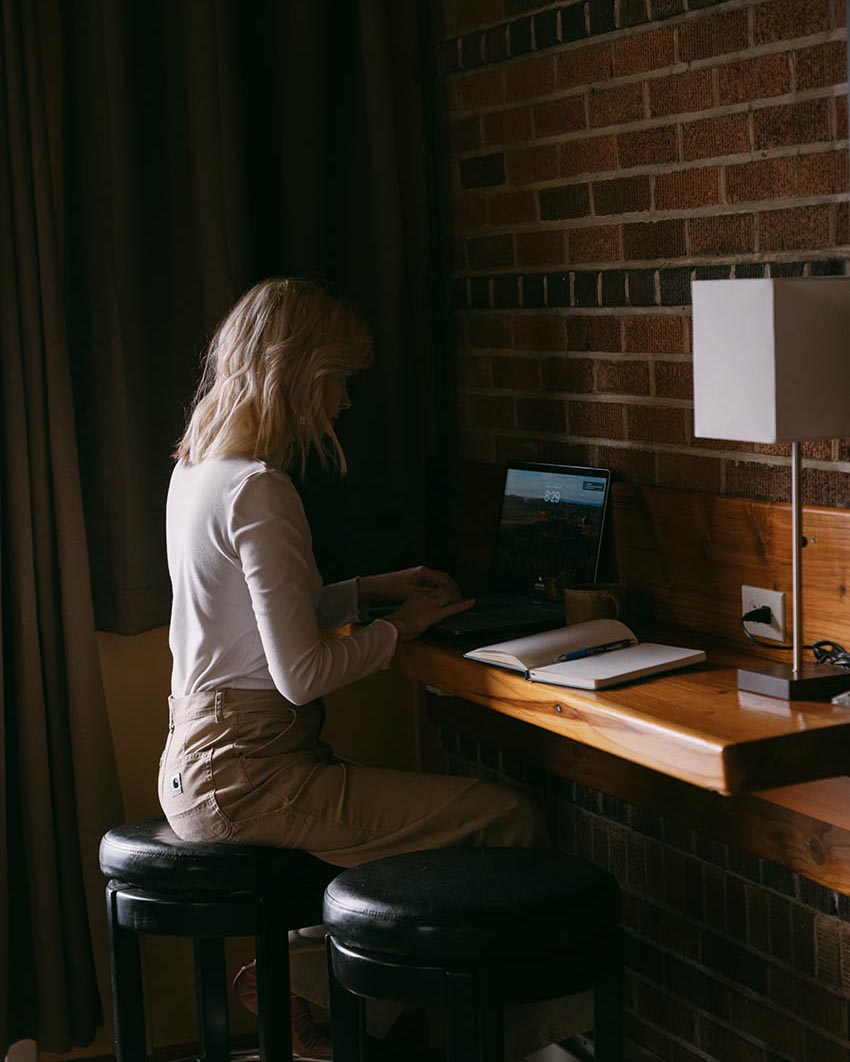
673,744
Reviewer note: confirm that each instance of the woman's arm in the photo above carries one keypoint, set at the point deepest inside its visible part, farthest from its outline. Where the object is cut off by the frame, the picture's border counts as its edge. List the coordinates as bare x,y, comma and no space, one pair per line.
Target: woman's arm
272,541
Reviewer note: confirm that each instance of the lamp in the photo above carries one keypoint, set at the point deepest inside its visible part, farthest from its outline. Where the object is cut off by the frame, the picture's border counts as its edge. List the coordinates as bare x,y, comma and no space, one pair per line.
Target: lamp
772,365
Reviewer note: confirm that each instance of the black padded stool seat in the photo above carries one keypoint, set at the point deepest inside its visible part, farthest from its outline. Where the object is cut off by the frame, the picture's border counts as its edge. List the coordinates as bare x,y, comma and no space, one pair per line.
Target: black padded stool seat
162,885
472,930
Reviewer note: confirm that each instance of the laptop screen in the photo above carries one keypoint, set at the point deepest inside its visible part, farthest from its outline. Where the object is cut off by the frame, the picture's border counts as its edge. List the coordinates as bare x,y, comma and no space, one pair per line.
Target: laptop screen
550,529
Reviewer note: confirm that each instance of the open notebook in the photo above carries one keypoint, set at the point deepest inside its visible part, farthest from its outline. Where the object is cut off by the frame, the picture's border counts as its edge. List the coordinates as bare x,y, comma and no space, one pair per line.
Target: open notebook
587,656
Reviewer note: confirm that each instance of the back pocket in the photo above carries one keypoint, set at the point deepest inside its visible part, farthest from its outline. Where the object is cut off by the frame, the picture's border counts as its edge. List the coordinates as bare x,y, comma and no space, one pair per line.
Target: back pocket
187,796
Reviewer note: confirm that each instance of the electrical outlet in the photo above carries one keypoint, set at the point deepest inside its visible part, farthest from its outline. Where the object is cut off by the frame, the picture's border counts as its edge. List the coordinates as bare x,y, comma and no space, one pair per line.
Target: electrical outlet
755,597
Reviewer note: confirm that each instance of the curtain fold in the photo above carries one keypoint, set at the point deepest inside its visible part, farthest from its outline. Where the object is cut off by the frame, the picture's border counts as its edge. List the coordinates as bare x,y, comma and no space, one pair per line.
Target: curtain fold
58,769
209,145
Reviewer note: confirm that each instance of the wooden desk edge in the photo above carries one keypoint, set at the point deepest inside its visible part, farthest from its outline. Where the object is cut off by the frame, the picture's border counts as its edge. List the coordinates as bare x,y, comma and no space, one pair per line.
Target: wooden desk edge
775,825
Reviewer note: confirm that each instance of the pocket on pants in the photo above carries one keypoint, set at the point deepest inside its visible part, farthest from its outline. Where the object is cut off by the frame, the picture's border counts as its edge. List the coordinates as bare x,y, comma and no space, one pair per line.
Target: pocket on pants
187,796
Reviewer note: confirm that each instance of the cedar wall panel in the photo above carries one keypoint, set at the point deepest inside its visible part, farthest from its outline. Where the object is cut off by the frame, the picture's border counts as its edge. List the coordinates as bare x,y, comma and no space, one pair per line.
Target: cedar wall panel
589,160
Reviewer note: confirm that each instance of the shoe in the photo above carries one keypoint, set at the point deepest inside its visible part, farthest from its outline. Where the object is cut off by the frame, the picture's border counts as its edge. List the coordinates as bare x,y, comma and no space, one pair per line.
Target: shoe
311,1042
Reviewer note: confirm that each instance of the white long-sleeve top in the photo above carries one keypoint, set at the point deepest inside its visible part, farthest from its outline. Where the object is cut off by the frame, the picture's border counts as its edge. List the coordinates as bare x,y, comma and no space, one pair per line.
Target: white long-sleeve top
248,600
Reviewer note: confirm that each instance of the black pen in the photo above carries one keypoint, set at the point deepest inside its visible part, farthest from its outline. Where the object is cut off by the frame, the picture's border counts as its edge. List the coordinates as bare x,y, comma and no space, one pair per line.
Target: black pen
580,654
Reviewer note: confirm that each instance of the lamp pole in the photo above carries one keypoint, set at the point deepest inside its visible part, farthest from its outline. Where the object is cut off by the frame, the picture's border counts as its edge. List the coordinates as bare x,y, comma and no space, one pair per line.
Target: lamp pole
797,558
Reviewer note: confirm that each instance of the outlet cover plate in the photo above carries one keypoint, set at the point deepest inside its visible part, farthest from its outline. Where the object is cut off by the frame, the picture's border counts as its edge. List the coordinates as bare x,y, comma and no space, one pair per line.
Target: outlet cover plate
754,597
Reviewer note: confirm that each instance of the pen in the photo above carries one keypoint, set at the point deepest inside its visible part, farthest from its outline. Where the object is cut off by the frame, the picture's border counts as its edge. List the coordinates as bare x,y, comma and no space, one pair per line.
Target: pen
580,654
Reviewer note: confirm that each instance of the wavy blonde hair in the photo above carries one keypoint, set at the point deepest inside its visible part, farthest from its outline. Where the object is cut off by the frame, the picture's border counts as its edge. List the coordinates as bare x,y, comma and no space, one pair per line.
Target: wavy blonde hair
262,390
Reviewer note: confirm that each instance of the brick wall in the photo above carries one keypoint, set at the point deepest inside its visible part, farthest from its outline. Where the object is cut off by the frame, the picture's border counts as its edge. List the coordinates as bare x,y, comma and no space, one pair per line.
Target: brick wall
729,958
592,158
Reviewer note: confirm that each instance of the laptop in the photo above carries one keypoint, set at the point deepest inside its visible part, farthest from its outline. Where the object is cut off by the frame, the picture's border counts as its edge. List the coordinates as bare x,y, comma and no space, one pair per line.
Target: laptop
549,537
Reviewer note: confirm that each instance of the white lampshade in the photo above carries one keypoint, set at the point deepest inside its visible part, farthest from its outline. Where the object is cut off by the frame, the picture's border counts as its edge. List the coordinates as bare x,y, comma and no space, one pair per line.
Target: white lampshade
772,358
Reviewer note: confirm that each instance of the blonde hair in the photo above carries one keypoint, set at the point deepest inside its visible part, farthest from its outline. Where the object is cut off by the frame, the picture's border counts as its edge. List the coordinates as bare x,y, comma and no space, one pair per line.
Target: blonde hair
262,389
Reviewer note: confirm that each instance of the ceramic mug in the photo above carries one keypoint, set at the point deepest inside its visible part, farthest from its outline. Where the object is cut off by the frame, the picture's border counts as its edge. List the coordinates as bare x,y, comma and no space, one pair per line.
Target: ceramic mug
593,601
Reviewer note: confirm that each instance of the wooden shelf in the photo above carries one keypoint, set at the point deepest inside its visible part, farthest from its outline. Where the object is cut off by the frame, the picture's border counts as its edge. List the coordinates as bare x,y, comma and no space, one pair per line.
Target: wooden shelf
693,725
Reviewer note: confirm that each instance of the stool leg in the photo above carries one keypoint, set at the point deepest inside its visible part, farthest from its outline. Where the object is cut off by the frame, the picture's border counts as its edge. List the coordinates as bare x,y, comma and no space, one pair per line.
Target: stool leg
274,1025
491,1024
608,1008
463,1032
211,989
348,1018
127,992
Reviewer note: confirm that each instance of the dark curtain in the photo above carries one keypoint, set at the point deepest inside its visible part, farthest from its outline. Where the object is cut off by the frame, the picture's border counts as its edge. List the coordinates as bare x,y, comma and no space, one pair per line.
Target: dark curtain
209,144
57,771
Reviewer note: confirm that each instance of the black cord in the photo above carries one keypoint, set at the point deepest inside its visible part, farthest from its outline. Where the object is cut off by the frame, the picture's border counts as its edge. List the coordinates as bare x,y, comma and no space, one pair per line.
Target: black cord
824,651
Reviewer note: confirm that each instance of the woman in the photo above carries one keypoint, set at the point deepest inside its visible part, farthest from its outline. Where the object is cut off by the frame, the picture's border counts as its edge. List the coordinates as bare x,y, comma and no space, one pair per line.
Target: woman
244,762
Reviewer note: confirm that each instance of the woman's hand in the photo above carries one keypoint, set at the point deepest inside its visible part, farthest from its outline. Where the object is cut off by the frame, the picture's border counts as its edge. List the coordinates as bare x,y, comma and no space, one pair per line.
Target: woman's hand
398,586
424,607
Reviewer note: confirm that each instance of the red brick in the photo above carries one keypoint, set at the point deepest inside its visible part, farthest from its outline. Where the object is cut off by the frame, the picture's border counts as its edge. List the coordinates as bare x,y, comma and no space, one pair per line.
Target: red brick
565,115
564,201
473,371
654,335
714,35
784,19
593,334
488,330
601,243
646,147
511,448
713,137
621,196
795,123
490,252
481,89
511,208
596,420
461,15
588,156
477,446
541,414
489,411
686,189
540,248
674,379
467,212
840,16
530,78
769,179
635,466
825,64
507,127
755,79
539,332
723,234
644,51
516,374
658,239
817,450
615,106
824,173
533,164
462,134
585,66
660,424
573,375
842,225
800,229
841,117
679,93
622,377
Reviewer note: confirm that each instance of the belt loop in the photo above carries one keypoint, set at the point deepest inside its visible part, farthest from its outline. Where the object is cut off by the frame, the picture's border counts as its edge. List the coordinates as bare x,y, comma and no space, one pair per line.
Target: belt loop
170,715
219,697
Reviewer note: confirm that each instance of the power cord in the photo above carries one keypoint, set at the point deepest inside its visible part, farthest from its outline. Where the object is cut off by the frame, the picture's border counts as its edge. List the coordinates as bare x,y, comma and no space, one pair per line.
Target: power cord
824,651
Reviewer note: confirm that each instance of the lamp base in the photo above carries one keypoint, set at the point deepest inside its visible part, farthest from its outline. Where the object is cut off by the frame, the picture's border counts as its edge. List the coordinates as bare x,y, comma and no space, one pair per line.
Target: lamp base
813,682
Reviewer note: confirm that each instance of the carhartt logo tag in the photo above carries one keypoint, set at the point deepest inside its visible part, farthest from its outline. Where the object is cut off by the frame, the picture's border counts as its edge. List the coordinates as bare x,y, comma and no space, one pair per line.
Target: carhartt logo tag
176,783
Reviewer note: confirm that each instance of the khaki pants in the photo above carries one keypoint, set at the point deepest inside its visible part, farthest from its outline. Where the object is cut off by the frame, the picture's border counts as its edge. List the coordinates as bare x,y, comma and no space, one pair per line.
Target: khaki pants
248,767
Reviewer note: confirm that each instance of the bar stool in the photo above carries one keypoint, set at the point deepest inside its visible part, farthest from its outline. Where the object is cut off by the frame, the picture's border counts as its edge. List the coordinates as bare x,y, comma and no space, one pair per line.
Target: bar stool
472,930
162,885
